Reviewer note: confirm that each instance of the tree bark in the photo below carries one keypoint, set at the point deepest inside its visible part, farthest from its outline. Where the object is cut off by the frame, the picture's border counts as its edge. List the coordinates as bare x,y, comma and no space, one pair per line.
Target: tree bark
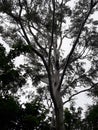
59,112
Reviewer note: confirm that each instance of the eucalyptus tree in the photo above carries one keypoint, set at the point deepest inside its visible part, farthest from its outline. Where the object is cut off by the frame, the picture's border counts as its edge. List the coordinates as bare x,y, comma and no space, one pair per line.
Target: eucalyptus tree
42,26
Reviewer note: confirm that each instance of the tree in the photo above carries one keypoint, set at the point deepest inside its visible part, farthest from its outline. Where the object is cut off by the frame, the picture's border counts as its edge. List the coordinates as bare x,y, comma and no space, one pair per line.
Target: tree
41,26
14,116
9,112
11,78
91,118
34,116
73,119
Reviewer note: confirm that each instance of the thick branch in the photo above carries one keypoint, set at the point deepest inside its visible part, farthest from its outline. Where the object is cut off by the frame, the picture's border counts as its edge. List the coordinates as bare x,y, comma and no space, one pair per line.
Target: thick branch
61,19
20,11
52,34
74,45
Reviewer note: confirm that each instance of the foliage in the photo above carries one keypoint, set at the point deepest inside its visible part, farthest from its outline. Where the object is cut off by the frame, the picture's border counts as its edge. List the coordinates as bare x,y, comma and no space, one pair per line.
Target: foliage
38,30
91,118
9,112
34,116
10,77
73,119
14,116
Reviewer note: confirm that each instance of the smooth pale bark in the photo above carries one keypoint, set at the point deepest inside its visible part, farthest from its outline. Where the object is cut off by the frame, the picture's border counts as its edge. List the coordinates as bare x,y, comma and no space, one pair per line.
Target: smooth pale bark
58,105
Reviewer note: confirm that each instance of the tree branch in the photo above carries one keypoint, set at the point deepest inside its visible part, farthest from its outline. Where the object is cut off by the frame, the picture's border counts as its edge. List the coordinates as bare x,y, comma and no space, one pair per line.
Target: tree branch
70,98
20,11
61,39
74,45
52,34
35,38
77,79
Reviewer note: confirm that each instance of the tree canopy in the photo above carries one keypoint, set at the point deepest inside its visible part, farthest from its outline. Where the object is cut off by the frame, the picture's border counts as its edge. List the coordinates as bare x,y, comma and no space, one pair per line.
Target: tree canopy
40,31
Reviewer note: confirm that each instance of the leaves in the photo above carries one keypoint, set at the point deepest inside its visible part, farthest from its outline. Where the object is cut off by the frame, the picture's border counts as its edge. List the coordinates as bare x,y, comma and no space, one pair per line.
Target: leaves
37,30
10,77
95,22
13,116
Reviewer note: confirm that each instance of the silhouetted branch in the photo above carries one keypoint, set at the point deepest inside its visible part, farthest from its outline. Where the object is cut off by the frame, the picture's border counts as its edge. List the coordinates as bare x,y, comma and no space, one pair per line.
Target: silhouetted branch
70,98
74,45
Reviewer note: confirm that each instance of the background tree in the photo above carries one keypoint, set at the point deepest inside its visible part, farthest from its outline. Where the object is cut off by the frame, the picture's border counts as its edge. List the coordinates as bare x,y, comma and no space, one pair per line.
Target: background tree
9,112
73,118
11,78
91,118
32,116
41,27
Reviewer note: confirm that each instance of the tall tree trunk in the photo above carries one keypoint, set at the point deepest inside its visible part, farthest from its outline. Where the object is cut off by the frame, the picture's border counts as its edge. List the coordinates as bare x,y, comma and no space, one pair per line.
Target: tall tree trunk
59,112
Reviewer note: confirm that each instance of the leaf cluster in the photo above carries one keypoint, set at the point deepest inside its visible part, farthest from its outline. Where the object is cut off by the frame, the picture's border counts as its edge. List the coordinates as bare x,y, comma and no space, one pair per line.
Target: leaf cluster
14,116
10,77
